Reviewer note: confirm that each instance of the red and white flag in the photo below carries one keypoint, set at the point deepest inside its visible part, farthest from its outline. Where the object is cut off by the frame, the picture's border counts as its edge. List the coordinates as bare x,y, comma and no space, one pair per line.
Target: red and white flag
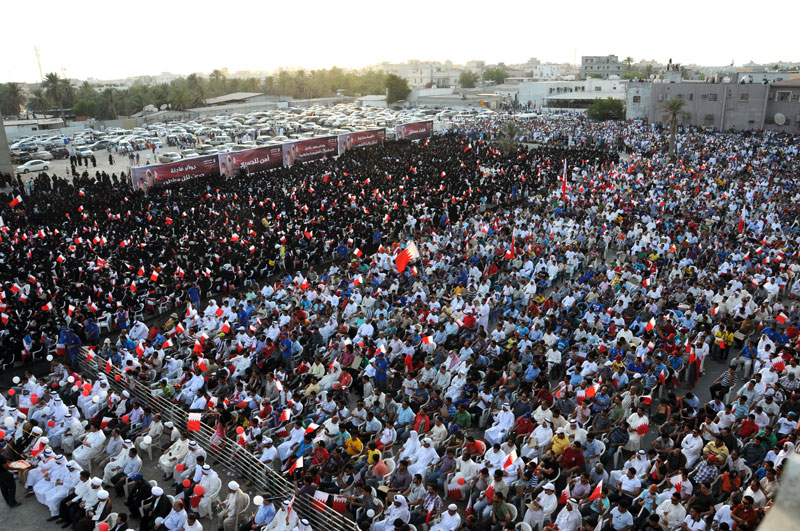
742,218
564,495
194,422
405,256
427,340
104,422
358,252
650,324
781,318
597,492
320,500
14,202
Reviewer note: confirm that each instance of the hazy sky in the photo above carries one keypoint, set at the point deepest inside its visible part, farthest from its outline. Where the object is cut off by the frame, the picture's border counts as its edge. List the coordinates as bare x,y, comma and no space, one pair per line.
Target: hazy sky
107,40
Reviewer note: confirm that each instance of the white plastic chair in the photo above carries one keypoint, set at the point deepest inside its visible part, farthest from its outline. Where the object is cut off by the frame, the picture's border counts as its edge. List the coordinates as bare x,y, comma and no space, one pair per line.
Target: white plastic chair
111,519
523,526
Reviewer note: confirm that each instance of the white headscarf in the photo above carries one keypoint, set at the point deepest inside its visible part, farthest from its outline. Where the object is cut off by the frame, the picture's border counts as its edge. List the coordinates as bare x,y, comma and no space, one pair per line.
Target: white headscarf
411,446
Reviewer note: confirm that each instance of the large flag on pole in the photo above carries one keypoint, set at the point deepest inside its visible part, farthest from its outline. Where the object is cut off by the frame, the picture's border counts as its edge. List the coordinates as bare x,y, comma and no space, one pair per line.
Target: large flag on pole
564,183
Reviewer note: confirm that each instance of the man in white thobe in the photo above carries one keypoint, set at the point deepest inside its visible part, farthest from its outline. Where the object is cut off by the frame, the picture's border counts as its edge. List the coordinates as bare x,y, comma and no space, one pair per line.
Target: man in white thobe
450,520
503,421
92,445
174,455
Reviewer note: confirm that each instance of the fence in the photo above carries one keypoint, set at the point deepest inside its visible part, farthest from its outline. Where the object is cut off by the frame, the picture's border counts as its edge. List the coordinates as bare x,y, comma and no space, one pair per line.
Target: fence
233,457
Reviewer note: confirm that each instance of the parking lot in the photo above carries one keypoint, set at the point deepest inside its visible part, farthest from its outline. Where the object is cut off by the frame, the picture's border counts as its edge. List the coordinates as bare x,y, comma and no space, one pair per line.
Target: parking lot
223,133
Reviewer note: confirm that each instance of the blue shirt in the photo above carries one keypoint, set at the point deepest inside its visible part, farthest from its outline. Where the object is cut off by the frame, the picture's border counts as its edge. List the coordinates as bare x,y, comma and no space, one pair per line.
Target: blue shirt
264,515
380,369
194,294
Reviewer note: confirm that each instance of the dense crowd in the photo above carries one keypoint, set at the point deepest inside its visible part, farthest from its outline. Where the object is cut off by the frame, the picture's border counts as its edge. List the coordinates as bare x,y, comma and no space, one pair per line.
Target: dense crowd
525,368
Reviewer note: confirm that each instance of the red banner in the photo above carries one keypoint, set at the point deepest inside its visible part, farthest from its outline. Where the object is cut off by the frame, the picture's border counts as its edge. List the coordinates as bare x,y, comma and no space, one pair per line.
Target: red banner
143,177
310,149
414,130
361,139
252,160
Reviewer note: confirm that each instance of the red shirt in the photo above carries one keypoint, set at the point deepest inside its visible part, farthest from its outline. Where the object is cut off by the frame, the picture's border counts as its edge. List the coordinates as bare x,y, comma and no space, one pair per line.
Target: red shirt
571,457
748,428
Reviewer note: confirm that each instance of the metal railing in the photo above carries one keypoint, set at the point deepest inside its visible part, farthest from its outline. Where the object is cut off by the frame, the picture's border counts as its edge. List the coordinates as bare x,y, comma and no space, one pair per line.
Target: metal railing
236,459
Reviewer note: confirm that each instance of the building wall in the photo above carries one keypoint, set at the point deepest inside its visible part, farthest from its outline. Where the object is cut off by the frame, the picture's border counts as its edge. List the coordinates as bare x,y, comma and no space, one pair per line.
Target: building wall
537,92
784,100
637,100
723,106
605,65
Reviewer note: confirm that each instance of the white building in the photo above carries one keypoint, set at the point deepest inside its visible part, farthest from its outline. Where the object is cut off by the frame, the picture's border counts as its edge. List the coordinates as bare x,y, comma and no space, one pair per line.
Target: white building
570,94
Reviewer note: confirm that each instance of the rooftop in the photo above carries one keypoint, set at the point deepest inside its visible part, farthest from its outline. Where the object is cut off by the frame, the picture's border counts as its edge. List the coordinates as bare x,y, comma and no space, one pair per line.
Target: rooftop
236,96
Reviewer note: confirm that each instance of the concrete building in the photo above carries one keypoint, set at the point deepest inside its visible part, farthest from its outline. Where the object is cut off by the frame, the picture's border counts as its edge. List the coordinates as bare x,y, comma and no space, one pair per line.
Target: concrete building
240,97
570,94
783,106
602,65
761,77
724,106
637,102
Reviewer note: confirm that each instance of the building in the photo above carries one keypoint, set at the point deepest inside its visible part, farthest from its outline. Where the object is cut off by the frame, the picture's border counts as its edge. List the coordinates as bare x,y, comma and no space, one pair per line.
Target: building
239,97
724,106
601,65
783,106
372,100
570,94
637,102
764,77
428,74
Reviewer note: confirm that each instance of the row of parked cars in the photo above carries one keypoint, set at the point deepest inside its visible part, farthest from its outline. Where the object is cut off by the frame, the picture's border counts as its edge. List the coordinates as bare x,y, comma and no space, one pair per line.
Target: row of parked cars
229,132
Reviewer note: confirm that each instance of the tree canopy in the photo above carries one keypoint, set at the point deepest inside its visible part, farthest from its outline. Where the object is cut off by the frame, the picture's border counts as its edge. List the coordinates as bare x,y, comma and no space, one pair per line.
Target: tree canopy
607,109
397,88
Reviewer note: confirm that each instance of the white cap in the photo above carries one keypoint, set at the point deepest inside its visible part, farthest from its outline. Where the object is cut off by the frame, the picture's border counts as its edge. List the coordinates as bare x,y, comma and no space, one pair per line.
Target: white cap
192,443
97,482
36,430
452,507
427,440
157,491
549,486
44,440
233,485
102,495
267,440
206,468
286,503
169,424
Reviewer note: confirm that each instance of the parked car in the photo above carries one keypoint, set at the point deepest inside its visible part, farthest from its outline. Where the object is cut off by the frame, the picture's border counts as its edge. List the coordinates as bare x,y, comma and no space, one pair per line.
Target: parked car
33,165
42,155
20,157
85,152
169,157
60,153
100,144
186,153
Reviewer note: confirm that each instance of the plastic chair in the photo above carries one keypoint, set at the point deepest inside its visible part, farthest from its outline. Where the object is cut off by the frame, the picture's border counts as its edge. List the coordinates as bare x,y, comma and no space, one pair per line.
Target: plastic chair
111,519
523,526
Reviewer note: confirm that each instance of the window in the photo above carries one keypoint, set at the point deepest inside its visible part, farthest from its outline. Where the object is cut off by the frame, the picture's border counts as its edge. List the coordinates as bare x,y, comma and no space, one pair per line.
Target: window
744,96
783,95
597,89
691,96
712,97
637,99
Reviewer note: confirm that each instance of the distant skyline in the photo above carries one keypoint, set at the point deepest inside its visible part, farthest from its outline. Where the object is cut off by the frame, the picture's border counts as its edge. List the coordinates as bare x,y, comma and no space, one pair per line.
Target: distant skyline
92,39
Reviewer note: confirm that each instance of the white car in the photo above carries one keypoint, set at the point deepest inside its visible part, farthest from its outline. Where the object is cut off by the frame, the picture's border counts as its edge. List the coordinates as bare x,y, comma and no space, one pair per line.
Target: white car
85,153
33,165
169,157
42,155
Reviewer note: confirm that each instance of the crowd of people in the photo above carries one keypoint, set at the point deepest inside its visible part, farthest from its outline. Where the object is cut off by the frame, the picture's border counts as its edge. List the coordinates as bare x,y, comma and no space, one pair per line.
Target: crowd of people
448,335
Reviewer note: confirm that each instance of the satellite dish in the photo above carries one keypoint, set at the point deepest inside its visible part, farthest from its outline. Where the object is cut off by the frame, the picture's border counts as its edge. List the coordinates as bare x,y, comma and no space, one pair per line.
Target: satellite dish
163,107
780,119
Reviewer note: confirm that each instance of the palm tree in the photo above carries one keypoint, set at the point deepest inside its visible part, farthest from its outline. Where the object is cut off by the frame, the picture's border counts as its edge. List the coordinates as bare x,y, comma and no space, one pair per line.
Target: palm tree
673,111
38,102
13,98
648,71
54,87
180,98
106,104
217,79
628,62
195,88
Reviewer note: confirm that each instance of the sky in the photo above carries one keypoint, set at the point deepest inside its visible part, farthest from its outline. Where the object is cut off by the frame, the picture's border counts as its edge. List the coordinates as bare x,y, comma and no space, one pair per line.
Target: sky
111,40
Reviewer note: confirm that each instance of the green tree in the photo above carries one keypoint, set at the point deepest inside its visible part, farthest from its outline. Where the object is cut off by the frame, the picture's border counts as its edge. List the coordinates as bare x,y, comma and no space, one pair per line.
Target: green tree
498,75
11,99
673,112
628,62
107,104
509,139
38,101
607,109
180,98
217,82
648,71
397,87
55,90
85,108
468,79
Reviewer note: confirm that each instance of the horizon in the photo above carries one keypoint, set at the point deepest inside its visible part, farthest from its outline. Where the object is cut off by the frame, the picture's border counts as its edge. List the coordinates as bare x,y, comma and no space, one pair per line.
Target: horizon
355,36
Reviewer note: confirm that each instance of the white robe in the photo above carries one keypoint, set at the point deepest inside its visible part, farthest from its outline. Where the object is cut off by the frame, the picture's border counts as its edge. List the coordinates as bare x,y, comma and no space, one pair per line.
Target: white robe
295,437
114,466
393,513
279,523
449,522
503,421
56,495
422,459
173,455
93,445
37,474
57,472
189,463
